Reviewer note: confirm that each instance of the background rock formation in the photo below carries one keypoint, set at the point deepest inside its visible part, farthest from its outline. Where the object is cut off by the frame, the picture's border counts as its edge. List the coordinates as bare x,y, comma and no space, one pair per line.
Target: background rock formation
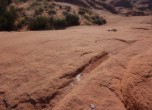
127,7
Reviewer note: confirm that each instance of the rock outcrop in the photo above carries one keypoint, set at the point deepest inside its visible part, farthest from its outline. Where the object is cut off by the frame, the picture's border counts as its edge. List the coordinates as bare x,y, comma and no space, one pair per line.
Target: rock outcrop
126,7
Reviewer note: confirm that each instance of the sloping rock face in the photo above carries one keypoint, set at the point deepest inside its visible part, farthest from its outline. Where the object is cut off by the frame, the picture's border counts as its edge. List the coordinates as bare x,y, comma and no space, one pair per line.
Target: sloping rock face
121,3
137,86
80,68
97,4
127,7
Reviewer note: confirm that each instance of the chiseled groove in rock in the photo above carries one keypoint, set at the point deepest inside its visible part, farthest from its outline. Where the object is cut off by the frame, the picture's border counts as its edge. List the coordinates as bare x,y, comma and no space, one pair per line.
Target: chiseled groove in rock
67,85
117,39
141,28
125,41
88,67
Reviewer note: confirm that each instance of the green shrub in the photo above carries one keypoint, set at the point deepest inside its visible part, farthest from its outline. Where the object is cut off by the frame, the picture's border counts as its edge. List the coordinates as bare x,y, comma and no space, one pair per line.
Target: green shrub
72,20
38,11
7,20
99,21
59,23
7,16
60,7
52,12
68,8
1,10
5,2
51,6
19,1
43,23
65,13
87,17
3,5
34,4
21,23
39,23
83,11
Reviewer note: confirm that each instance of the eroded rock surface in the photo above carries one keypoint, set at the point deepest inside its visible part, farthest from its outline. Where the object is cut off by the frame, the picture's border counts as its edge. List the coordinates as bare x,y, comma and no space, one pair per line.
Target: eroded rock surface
38,70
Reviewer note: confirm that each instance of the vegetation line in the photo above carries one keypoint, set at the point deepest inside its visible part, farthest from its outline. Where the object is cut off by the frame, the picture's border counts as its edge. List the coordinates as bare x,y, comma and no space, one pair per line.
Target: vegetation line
44,15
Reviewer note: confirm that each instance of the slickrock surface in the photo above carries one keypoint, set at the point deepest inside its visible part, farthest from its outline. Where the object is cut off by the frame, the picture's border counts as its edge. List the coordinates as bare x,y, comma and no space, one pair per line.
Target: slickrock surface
81,68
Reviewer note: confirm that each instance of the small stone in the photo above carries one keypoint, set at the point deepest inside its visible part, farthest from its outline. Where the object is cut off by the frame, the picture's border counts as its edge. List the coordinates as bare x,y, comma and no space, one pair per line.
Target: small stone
92,106
114,30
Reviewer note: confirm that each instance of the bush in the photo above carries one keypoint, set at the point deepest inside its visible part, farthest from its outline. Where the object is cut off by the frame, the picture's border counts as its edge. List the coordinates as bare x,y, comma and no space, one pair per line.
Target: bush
83,11
7,20
21,23
87,17
3,5
39,11
43,23
68,8
65,13
51,6
7,16
99,21
59,23
52,12
39,23
72,20
19,1
1,10
60,7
